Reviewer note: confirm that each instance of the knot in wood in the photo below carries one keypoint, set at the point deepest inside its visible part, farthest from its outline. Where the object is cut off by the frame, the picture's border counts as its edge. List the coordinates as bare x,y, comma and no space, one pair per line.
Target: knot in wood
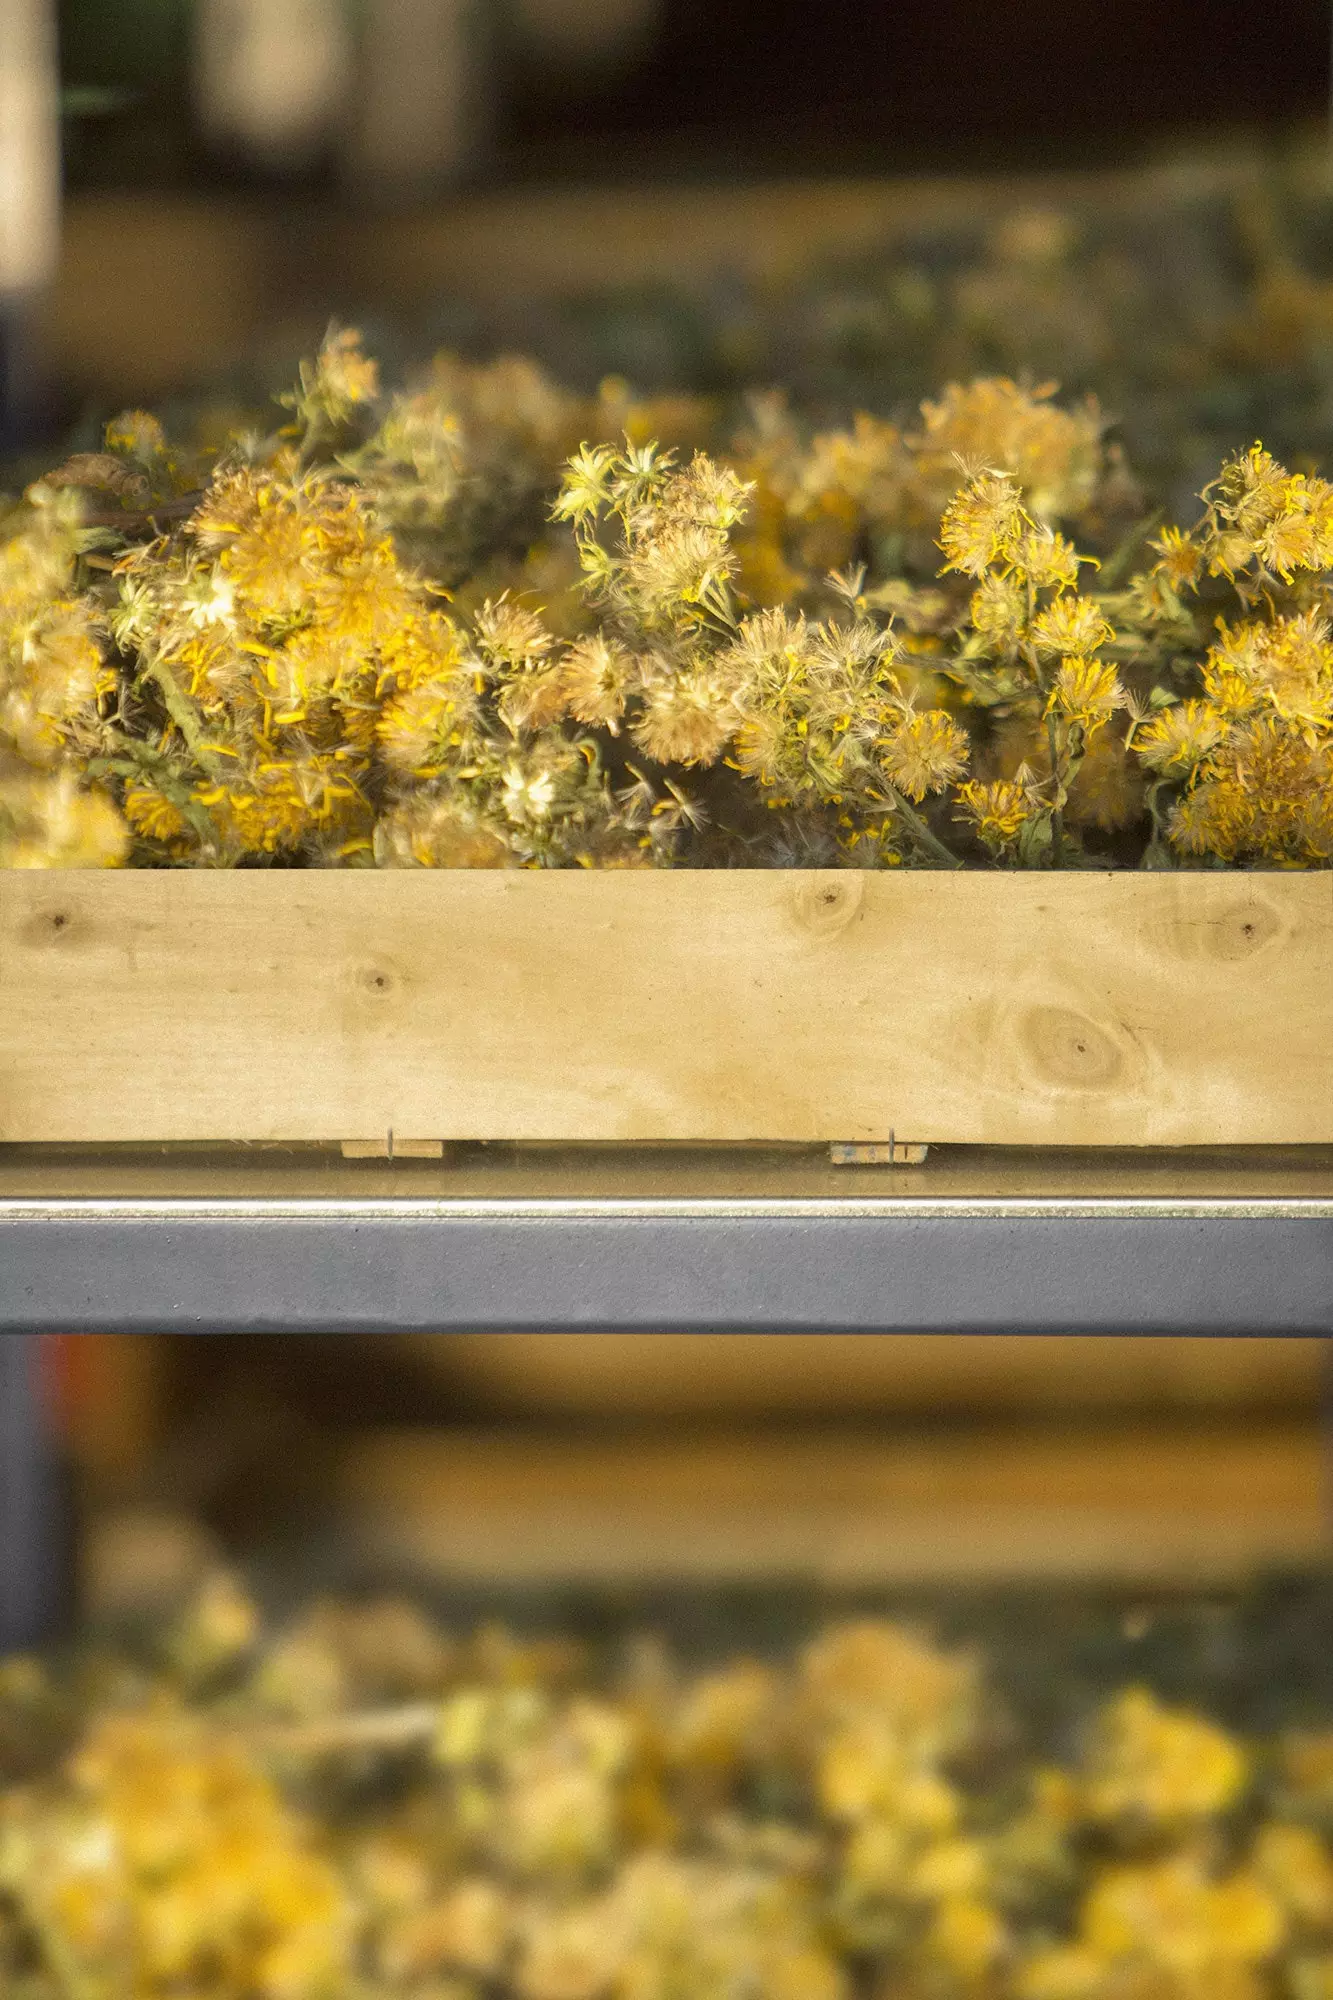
1244,929
48,927
377,981
826,904
1070,1050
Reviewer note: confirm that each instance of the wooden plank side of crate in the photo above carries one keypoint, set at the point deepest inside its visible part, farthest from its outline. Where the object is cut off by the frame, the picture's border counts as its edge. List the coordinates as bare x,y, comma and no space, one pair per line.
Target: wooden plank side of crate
1140,1501
730,1006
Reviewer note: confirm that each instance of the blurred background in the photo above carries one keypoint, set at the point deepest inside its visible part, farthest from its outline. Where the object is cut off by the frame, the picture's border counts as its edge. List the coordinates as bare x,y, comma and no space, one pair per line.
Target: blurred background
859,198
613,1467
492,171
358,96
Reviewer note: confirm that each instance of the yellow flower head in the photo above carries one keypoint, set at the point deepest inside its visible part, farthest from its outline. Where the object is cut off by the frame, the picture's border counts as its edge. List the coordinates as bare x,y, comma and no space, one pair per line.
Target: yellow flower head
1180,559
55,683
1177,740
282,802
1251,490
1086,692
535,699
171,1864
1172,1915
999,811
998,610
1284,666
925,753
49,821
1054,455
687,720
871,1670
153,815
1160,1764
983,525
1072,626
1047,560
347,375
1259,513
512,635
1215,817
438,833
595,676
415,729
136,434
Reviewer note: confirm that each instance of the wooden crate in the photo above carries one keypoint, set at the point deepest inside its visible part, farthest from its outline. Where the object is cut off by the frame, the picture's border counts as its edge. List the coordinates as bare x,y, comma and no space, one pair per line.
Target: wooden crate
1079,1009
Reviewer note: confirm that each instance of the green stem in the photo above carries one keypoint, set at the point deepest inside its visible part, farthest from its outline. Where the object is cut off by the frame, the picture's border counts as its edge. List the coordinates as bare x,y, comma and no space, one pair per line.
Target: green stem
921,832
1116,568
185,716
1058,811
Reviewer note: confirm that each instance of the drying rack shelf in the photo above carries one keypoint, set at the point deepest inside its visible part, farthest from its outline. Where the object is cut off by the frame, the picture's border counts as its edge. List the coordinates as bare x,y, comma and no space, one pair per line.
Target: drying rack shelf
508,1239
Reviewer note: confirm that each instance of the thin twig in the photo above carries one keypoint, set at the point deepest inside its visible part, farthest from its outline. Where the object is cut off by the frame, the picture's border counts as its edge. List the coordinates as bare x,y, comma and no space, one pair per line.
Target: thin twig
134,521
400,1728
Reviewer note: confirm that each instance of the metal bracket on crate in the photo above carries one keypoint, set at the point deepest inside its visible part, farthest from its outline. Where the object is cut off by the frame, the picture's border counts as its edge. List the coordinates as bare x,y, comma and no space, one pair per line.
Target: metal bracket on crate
393,1147
890,1152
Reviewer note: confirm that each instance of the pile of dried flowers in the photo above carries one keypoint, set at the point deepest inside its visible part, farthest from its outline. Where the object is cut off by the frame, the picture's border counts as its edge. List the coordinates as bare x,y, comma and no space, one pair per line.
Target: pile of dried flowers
353,1807
442,629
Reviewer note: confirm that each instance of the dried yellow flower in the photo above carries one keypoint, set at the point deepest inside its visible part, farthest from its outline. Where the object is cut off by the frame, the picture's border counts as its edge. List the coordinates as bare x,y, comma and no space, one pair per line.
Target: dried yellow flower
925,753
1072,626
49,821
688,720
1087,693
983,526
1160,1764
1177,740
999,811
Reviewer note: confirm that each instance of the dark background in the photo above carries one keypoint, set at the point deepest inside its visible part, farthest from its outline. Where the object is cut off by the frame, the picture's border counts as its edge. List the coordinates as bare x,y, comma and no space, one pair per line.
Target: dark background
878,84
748,86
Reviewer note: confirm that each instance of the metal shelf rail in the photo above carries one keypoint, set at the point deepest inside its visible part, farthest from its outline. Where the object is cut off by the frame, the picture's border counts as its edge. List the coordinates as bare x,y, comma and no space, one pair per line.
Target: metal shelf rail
677,1239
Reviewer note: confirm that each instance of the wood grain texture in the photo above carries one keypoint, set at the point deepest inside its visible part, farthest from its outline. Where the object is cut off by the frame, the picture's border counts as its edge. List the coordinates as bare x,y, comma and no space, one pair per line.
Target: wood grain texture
1118,1010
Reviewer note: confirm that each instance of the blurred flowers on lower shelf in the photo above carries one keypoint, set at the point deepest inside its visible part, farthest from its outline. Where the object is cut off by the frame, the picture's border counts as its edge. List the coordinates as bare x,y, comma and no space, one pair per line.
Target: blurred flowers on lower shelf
359,1803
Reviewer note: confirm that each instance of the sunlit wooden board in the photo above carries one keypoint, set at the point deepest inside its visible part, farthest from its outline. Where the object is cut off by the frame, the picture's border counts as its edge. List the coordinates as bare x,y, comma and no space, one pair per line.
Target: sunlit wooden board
1086,1009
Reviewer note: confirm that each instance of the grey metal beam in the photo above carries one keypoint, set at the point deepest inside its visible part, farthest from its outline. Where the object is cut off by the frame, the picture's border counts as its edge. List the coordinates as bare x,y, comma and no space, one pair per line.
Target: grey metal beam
862,1265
